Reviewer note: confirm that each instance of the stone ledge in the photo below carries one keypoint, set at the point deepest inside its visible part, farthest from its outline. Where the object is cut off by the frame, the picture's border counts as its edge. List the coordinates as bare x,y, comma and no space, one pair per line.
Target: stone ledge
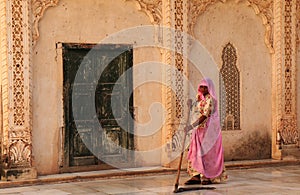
119,173
18,174
260,163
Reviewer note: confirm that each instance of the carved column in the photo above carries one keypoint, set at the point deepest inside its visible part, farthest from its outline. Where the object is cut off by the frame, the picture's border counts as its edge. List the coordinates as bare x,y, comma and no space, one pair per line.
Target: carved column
16,96
3,66
167,59
171,18
298,63
284,78
16,145
176,57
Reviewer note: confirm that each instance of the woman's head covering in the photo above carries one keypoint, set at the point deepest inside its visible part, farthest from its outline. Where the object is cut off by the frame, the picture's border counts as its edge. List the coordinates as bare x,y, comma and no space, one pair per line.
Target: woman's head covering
211,88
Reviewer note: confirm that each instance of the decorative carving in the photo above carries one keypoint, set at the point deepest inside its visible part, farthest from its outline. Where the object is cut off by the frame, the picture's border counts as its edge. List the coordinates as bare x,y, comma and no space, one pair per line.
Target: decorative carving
195,9
289,133
284,69
277,66
298,45
262,8
38,9
20,154
288,73
230,96
18,142
17,134
288,130
3,65
167,59
153,8
17,52
17,128
179,26
265,10
298,21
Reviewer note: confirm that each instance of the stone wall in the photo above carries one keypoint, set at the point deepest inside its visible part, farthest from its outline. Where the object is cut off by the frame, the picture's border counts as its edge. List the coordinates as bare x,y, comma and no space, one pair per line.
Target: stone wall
238,24
79,21
265,35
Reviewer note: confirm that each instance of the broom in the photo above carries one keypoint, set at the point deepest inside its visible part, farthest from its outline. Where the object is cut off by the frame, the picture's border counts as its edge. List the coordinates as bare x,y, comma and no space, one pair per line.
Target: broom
176,190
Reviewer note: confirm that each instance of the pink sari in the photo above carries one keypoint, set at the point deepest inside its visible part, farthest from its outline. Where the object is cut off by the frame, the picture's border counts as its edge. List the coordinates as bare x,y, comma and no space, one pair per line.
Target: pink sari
206,151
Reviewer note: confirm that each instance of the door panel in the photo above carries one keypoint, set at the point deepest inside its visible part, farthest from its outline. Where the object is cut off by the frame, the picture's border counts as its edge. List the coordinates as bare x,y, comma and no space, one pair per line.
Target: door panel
97,138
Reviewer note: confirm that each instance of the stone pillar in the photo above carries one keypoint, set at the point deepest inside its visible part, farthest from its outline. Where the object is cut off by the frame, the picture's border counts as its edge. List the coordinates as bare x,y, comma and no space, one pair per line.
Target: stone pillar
18,38
174,97
298,64
167,56
16,145
3,66
285,131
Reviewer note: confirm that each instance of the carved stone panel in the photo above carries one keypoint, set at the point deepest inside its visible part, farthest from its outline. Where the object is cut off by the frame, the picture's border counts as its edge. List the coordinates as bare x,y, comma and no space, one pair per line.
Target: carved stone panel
288,130
16,100
38,8
153,8
18,142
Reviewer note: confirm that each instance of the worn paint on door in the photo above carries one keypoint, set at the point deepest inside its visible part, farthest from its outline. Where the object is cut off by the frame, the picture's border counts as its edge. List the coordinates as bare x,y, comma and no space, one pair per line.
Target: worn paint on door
102,132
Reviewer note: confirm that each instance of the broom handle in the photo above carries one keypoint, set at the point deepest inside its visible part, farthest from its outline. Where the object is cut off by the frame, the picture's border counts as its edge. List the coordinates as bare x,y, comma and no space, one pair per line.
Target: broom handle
183,146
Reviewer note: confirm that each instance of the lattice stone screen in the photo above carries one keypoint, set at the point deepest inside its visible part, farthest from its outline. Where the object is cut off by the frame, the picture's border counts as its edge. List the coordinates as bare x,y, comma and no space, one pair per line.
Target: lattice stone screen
229,90
178,16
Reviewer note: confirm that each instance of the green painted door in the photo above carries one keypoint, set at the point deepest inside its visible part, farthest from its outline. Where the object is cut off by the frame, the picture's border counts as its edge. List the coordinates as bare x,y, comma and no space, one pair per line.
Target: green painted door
97,106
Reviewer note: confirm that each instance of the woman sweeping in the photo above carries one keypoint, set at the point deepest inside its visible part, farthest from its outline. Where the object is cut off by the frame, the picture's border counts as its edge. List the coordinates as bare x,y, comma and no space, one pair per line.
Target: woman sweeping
205,155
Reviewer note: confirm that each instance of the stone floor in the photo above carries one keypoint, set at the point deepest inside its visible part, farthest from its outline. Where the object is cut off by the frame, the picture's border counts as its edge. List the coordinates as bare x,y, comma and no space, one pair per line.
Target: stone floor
266,180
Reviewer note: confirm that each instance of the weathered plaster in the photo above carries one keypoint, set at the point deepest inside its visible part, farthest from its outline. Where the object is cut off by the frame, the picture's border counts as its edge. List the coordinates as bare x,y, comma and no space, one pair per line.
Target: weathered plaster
79,23
262,8
38,9
244,29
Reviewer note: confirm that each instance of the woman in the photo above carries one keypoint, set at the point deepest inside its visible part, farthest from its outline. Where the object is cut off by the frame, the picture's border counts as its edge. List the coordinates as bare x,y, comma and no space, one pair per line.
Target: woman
205,155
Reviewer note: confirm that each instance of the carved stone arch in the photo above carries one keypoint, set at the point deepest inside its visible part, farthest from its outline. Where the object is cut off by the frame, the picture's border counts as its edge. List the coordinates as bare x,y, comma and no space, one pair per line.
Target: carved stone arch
153,8
262,8
38,9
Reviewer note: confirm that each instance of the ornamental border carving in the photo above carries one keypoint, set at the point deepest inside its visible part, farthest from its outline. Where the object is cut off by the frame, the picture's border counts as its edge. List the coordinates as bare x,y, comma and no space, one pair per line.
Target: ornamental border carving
4,68
288,129
17,144
167,59
298,22
21,16
284,73
153,8
38,8
262,8
277,72
179,61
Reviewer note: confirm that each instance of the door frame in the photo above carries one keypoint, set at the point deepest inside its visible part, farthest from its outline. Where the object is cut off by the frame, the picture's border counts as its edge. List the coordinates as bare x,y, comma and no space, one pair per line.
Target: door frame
63,161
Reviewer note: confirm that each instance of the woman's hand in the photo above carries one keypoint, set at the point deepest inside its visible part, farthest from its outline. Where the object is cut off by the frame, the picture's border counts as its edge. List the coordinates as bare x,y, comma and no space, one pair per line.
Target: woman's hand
188,128
189,103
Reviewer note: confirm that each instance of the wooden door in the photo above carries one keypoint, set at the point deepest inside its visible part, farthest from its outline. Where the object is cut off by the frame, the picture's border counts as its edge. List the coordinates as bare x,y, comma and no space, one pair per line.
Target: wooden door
101,136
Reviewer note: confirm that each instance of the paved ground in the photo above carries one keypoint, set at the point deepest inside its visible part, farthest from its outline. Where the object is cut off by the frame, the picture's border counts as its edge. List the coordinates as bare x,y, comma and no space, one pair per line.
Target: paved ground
266,180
